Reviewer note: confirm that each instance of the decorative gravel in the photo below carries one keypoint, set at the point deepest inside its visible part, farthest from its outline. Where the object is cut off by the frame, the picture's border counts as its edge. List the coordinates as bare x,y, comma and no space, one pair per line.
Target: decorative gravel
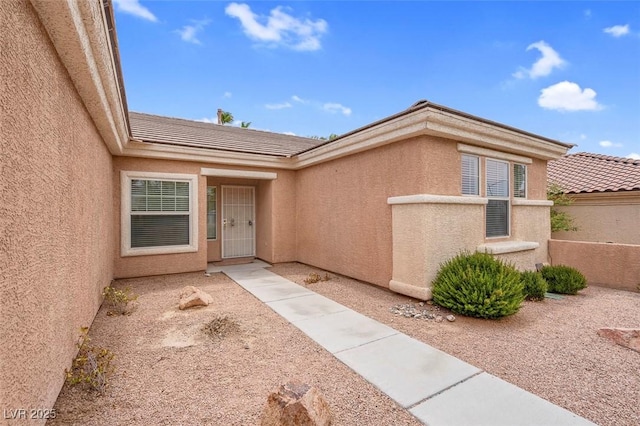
169,371
550,348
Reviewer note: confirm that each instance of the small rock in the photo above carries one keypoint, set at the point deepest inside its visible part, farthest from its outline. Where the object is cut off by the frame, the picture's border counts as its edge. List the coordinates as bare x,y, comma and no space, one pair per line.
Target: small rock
450,318
417,316
438,318
627,337
421,303
206,274
192,296
296,404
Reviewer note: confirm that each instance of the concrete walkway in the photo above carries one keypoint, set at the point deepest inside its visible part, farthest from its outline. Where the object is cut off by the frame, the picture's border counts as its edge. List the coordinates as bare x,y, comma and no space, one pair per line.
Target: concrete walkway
436,388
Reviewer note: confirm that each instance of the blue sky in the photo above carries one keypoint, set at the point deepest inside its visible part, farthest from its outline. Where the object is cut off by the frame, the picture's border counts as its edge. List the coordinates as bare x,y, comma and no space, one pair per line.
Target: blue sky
565,70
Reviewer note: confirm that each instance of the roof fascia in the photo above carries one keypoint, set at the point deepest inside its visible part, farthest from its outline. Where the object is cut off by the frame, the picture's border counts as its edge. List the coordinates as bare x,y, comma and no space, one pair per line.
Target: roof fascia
480,133
80,33
204,155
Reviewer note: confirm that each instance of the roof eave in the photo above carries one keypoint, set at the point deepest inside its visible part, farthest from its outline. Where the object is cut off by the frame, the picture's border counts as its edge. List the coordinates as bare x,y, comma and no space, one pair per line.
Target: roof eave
86,48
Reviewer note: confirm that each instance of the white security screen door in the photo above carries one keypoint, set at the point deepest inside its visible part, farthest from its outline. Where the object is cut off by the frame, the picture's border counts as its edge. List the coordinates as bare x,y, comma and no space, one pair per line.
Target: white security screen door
238,221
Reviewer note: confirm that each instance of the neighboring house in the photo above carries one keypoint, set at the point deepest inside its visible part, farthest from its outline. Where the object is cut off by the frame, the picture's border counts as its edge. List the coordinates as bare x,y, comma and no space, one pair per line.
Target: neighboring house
606,197
90,192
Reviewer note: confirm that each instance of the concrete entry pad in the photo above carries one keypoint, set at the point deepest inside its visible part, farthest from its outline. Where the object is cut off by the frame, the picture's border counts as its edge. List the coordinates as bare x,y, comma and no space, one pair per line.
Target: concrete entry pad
343,330
305,307
488,400
405,369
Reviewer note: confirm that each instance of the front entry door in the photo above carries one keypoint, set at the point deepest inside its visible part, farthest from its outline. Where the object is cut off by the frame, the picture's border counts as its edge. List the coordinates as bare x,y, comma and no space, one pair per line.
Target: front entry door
238,221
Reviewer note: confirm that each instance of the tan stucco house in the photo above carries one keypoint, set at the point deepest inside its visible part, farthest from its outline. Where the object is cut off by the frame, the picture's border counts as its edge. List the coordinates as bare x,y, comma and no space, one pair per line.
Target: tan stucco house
91,192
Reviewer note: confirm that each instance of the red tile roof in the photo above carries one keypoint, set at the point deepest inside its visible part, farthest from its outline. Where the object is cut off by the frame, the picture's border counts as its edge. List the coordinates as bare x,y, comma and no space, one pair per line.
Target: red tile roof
586,172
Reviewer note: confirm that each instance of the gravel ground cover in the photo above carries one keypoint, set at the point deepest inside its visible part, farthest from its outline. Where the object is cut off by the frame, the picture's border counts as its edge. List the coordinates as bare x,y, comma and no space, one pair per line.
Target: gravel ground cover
214,365
217,365
550,348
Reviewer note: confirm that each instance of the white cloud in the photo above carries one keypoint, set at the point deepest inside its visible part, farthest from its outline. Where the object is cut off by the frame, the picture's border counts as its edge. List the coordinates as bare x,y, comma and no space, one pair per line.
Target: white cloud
278,106
189,33
542,67
226,95
617,30
609,144
568,96
634,155
583,137
289,133
333,107
213,120
133,7
587,13
279,28
299,99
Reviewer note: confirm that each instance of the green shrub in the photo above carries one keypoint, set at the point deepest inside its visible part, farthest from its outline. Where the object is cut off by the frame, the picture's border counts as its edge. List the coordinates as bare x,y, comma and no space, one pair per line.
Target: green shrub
92,366
534,285
563,279
478,285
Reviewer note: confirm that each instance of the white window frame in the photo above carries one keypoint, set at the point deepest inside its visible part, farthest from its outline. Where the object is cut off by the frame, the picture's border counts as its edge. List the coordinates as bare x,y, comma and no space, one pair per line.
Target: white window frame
526,181
478,162
501,198
126,177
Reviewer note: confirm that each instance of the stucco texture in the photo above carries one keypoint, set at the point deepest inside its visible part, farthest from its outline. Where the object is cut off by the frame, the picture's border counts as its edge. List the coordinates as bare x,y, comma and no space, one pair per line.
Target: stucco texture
343,221
604,217
607,265
274,207
56,217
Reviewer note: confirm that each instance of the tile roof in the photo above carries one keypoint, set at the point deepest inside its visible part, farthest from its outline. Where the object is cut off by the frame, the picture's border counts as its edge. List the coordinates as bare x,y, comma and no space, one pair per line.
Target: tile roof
586,172
181,132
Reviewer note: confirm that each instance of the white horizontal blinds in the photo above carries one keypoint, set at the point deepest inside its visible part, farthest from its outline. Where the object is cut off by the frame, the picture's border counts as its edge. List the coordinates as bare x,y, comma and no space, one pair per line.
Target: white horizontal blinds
212,213
497,190
470,175
519,180
159,213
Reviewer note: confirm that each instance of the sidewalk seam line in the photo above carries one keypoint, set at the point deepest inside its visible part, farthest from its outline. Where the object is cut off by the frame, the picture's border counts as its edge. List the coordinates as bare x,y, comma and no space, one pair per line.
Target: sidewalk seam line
444,390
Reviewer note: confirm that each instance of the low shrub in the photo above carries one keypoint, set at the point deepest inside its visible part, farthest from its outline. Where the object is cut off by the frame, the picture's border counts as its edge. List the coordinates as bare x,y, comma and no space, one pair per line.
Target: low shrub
478,285
92,365
563,279
121,301
535,286
314,278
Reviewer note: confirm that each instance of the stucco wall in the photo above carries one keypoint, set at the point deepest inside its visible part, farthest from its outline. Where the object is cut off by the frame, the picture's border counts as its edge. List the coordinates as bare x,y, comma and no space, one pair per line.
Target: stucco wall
607,265
56,217
604,217
275,206
343,220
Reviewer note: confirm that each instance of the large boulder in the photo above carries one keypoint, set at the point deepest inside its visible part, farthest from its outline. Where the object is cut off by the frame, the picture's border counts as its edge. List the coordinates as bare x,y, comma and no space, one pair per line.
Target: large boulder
192,296
627,337
296,404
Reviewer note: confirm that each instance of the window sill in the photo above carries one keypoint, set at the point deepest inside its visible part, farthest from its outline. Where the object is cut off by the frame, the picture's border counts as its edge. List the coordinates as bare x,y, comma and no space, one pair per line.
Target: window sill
148,251
507,247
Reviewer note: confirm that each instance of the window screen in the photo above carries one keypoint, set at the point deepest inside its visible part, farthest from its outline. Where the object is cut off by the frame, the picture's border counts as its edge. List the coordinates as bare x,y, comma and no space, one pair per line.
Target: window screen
470,175
497,213
519,180
212,213
159,213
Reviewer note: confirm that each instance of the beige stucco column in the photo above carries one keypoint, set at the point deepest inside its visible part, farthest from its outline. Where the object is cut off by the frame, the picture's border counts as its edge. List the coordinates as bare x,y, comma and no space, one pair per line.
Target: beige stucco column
428,230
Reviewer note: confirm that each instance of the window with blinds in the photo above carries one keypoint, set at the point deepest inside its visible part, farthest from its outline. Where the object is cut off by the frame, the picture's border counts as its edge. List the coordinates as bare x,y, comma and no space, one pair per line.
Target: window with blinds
520,181
212,213
497,191
470,175
160,213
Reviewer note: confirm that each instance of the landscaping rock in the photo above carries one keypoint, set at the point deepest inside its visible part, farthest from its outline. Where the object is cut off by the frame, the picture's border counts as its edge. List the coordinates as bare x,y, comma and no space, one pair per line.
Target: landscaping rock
192,296
627,337
296,404
450,318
